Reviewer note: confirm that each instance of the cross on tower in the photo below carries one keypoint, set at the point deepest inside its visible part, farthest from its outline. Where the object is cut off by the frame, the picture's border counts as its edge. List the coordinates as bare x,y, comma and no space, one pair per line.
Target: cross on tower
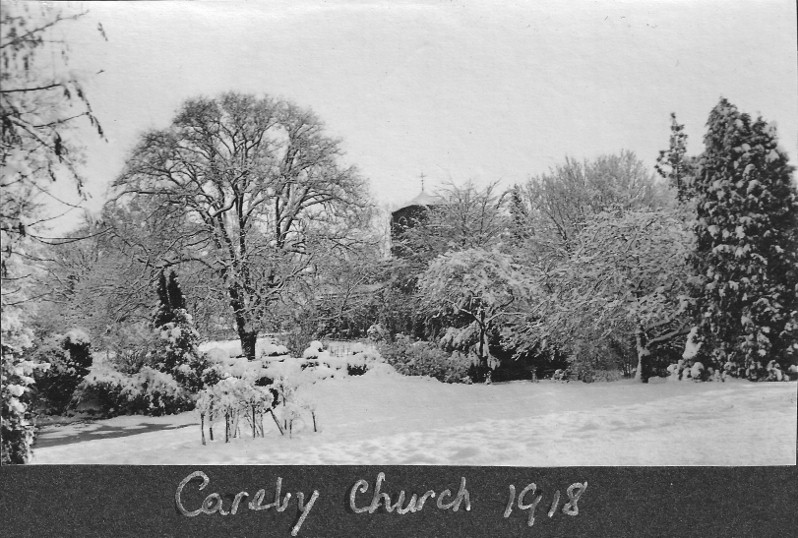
422,176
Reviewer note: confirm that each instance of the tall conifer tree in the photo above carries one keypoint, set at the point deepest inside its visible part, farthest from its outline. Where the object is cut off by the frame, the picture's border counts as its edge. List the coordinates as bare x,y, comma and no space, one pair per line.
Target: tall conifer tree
746,256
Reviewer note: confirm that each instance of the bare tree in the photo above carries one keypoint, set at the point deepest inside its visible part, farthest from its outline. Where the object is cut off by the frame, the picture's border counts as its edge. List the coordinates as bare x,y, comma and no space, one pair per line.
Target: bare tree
258,190
557,205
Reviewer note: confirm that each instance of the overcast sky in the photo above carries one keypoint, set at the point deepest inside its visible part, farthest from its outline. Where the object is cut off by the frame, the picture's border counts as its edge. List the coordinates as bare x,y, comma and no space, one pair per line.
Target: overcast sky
455,90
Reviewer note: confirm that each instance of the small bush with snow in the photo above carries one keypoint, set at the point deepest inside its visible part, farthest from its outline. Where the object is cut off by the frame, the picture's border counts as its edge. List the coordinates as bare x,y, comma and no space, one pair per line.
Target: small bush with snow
232,399
425,359
148,392
314,349
178,353
272,349
69,358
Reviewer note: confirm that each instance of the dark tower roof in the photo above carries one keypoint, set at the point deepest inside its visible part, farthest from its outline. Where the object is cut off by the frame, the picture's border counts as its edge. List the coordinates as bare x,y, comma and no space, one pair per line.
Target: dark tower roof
424,199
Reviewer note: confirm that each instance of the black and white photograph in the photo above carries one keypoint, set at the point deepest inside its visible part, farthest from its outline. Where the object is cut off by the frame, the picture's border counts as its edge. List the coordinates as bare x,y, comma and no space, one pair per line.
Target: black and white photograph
371,232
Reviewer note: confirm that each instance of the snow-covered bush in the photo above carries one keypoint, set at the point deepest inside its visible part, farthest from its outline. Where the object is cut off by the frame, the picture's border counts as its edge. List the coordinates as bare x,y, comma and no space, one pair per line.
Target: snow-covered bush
362,360
219,366
350,359
272,349
235,400
314,349
232,399
178,354
17,431
424,359
17,381
69,357
131,346
147,392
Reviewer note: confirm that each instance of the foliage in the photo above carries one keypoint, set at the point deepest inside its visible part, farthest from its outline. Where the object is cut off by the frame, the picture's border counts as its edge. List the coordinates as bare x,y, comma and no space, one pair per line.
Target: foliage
336,299
40,102
466,217
626,277
419,358
232,398
177,353
147,392
550,209
69,357
746,255
130,347
396,302
17,433
258,189
16,386
170,299
676,166
93,280
472,291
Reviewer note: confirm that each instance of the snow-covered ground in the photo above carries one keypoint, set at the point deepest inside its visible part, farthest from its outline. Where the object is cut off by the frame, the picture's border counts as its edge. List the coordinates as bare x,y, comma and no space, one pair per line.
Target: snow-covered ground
390,419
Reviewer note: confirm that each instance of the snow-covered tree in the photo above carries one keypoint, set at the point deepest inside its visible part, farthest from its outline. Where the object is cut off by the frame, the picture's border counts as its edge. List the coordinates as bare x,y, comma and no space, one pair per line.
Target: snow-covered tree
472,292
747,240
466,217
550,209
625,280
258,188
41,100
170,298
675,165
178,353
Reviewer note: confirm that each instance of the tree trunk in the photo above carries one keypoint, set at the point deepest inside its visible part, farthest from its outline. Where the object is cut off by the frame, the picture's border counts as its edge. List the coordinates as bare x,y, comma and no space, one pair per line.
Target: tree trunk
202,427
248,339
643,355
246,334
483,359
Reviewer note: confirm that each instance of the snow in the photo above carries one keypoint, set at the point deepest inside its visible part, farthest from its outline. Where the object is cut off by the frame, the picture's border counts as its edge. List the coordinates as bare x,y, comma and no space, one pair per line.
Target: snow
263,346
384,418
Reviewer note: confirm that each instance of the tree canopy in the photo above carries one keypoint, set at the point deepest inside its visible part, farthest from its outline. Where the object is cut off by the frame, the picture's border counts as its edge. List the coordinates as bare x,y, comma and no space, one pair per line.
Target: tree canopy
746,228
259,189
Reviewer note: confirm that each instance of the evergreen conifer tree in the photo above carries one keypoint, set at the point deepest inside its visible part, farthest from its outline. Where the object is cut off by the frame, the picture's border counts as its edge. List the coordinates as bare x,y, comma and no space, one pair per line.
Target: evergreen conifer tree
170,298
746,257
164,313
674,165
175,293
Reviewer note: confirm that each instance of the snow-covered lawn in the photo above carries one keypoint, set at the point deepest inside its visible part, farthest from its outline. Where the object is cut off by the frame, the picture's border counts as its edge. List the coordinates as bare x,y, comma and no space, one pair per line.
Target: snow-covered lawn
390,419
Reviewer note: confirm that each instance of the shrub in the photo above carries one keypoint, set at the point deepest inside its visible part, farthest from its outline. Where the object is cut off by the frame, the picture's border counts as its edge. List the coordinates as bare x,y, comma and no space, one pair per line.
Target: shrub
17,428
131,347
148,392
424,359
69,357
17,431
231,399
177,352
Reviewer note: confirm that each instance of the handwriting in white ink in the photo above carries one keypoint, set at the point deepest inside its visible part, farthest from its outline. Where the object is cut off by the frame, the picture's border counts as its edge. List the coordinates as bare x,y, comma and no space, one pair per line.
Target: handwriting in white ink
414,503
214,503
571,508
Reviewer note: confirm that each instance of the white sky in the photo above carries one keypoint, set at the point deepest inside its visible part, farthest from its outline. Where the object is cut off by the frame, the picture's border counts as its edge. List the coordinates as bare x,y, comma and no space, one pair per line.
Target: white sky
501,90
